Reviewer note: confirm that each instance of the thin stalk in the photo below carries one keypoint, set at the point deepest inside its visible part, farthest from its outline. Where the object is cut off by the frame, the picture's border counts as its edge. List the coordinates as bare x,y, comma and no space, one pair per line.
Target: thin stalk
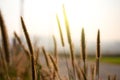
83,49
55,66
20,42
69,41
5,39
4,64
98,55
30,49
60,31
55,50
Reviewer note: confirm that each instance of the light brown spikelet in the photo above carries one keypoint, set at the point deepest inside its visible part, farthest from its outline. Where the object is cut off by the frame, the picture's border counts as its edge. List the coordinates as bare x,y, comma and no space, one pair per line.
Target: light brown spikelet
98,44
30,49
5,39
60,31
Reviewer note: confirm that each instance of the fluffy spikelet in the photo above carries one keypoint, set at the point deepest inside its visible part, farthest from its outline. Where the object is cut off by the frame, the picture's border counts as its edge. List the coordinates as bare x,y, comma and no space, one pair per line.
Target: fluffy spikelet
60,31
67,26
83,50
98,44
55,49
30,48
83,46
5,39
98,55
69,40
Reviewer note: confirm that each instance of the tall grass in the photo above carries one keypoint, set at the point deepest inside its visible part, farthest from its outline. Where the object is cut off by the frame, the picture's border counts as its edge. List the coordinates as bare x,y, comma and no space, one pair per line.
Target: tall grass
30,49
55,50
98,55
5,39
69,40
52,71
83,49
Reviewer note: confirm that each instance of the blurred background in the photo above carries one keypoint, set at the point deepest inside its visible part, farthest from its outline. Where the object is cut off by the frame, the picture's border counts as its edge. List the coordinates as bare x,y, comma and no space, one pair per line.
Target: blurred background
40,20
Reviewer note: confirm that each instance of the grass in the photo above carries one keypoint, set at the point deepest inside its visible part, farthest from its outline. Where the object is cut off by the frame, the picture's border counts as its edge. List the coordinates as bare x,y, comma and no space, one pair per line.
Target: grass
111,60
35,70
107,59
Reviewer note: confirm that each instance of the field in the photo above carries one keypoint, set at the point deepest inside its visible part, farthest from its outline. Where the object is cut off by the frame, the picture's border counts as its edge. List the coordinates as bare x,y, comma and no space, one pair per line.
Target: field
18,62
111,60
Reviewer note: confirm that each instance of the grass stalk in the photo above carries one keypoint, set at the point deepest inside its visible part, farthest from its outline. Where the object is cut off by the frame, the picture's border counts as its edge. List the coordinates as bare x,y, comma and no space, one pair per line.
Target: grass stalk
20,42
55,50
69,41
98,55
92,72
55,66
5,39
60,31
46,58
30,49
4,64
83,50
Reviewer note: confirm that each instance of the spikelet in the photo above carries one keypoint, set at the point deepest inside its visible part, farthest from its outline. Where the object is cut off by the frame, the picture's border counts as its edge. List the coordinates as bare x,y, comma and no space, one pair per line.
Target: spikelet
98,55
98,44
5,39
69,40
83,50
67,26
60,31
83,45
55,50
30,49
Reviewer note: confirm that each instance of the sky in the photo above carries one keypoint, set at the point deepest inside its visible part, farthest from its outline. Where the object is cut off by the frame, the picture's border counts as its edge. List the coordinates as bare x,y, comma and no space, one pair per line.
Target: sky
40,17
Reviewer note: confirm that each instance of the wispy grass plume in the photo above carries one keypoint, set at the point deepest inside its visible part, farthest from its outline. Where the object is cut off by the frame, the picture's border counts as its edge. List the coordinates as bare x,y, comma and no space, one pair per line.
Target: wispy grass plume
98,44
83,45
30,49
55,50
60,31
5,39
98,55
69,40
83,49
